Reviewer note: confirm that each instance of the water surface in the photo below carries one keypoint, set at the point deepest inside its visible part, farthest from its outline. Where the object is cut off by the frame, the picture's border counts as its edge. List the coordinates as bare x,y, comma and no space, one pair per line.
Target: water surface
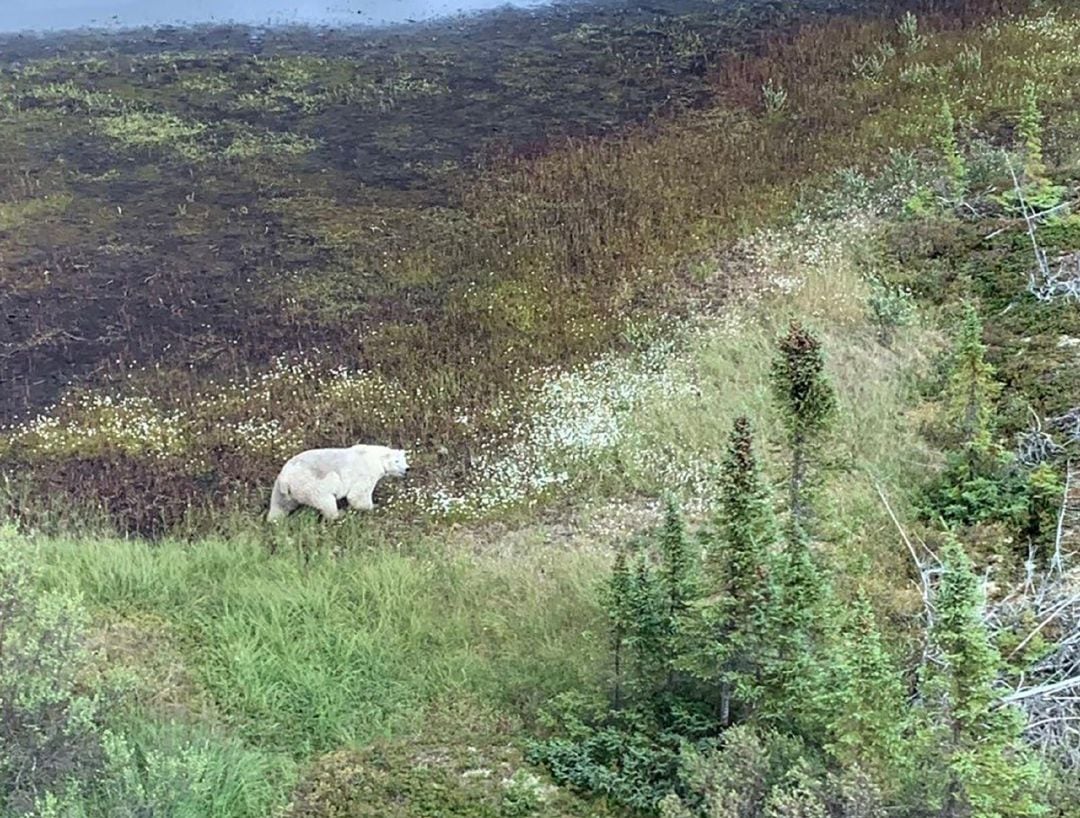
63,15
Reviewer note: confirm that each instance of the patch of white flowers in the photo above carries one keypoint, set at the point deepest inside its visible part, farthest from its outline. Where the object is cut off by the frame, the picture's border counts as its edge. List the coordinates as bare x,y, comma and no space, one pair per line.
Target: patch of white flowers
575,417
783,259
1049,25
140,425
1050,43
133,424
262,436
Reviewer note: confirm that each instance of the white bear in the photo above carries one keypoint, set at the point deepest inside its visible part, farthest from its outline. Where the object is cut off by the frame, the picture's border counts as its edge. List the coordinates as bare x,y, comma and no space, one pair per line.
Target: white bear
320,477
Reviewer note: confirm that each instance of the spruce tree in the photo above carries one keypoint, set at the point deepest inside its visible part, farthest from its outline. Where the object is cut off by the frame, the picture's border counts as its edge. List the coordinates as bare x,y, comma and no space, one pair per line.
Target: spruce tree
979,482
795,673
677,561
807,404
745,526
647,637
795,687
1038,192
1030,131
988,771
678,583
950,151
869,710
972,390
739,541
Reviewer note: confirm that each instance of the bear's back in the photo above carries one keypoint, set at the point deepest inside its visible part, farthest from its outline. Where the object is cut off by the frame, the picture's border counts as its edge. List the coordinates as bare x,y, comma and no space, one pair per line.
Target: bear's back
320,462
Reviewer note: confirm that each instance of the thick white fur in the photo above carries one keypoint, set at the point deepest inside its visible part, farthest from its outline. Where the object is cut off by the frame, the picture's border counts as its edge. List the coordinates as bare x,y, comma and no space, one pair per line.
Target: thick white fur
320,477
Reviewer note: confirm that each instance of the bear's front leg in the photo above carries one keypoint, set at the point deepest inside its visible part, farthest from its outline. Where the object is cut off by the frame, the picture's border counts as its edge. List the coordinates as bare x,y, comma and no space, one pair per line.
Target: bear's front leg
361,499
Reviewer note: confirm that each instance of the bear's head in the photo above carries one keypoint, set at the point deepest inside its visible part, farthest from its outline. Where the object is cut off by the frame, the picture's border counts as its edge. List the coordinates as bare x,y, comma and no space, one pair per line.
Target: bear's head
396,462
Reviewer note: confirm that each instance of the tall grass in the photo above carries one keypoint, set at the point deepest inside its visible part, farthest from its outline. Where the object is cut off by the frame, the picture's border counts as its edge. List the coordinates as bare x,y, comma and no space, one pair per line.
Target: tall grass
303,656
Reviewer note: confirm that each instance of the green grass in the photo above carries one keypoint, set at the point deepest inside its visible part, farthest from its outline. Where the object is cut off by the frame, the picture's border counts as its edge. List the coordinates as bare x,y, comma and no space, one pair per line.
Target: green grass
174,769
137,131
303,656
17,214
233,682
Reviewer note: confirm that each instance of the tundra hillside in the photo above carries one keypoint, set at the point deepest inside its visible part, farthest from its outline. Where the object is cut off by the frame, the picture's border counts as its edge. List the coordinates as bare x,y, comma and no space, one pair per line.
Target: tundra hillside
747,421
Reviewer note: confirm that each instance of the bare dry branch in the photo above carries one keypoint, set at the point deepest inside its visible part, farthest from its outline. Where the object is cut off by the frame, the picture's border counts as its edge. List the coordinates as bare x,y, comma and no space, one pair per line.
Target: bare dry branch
1053,615
1044,283
1042,690
924,572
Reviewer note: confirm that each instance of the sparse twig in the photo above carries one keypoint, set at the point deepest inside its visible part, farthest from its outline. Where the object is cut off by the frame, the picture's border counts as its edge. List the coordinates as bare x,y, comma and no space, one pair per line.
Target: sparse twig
1045,284
1048,689
899,528
1053,615
1063,512
1041,690
1068,424
1035,446
1040,256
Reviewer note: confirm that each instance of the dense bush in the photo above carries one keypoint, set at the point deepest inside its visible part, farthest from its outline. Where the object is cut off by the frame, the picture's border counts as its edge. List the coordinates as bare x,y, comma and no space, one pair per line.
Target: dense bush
50,739
983,482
